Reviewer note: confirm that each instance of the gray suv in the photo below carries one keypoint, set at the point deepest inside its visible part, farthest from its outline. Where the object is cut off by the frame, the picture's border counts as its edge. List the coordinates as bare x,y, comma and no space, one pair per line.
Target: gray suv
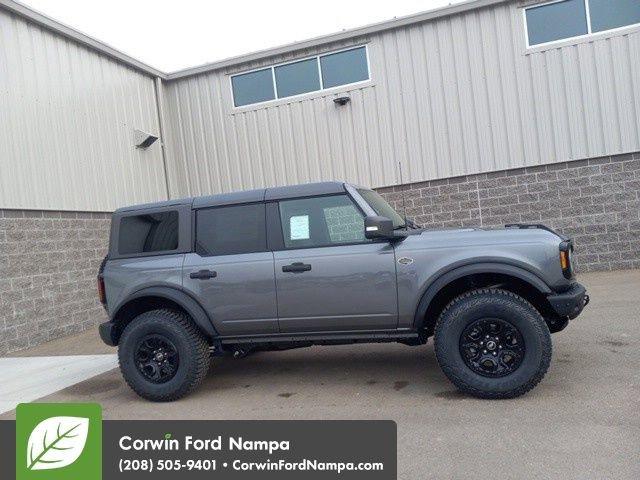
327,264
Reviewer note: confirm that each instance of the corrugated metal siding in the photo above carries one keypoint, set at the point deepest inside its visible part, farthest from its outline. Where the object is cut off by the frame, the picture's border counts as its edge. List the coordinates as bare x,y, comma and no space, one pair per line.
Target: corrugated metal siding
448,97
67,116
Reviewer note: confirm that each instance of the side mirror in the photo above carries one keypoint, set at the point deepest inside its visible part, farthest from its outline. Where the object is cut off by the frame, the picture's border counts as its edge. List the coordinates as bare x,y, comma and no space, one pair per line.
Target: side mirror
378,227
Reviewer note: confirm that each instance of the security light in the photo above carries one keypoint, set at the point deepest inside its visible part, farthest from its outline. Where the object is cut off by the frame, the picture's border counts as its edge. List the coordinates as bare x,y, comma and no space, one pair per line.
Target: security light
144,139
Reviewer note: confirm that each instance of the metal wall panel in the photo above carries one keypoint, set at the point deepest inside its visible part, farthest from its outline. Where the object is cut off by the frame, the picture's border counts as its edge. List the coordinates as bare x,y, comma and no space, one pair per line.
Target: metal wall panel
451,96
67,116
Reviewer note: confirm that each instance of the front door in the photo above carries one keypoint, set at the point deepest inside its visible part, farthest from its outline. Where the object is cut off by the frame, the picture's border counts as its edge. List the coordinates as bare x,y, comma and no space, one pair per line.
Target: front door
231,272
329,277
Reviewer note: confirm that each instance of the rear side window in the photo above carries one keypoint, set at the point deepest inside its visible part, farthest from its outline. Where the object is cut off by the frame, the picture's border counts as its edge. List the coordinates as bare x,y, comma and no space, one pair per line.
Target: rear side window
231,230
154,232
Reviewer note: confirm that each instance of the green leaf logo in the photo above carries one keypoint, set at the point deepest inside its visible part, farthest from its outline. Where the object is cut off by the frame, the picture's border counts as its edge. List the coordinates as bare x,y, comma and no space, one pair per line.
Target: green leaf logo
56,442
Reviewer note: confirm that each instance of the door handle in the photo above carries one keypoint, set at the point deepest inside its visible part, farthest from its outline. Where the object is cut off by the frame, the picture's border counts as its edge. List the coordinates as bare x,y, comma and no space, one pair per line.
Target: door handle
203,274
296,267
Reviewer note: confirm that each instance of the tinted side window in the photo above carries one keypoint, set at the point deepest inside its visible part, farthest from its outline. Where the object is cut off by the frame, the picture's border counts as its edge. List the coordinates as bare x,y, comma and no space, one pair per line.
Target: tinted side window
321,221
231,230
155,232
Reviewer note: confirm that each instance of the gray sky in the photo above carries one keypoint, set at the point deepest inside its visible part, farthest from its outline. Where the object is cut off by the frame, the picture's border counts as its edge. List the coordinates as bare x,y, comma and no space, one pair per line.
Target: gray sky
171,35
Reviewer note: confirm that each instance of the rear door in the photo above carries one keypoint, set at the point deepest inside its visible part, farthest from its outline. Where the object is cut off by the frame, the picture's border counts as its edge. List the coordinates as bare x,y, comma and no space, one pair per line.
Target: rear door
231,271
329,277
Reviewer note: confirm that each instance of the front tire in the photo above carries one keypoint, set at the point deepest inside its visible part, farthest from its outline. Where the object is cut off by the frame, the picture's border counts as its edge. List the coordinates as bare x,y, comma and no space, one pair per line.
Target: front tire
492,343
162,355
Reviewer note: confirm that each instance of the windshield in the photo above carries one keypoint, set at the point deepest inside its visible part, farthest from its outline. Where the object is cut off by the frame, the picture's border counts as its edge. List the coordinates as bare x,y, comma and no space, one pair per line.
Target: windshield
381,207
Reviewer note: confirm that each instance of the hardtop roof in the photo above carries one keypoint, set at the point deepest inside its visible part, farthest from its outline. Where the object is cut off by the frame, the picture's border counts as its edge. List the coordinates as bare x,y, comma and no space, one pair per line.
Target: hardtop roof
246,196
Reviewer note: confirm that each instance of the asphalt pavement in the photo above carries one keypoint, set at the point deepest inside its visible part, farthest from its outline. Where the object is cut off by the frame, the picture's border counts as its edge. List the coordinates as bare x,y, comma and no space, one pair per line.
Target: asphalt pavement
581,422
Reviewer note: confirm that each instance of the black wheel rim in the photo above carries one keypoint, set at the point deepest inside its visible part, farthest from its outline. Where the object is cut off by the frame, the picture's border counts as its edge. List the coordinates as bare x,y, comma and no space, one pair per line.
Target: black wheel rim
492,347
156,358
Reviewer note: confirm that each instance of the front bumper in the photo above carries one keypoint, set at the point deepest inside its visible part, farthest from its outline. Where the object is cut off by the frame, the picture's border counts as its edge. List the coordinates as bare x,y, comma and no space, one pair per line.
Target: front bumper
107,333
569,304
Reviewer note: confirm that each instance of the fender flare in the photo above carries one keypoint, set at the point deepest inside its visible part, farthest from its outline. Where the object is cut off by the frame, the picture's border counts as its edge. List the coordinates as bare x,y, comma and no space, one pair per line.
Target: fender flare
190,305
470,269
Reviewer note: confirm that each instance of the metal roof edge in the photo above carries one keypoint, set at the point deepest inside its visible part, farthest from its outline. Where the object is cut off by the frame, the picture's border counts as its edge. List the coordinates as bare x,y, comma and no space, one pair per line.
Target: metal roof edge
335,37
73,34
90,42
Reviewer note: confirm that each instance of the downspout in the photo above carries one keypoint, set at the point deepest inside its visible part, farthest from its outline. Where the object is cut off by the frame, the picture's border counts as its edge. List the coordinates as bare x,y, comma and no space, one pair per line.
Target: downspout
161,122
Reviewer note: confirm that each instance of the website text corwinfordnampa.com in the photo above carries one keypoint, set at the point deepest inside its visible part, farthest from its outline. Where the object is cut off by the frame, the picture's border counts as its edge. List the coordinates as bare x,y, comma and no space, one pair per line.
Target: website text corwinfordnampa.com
190,443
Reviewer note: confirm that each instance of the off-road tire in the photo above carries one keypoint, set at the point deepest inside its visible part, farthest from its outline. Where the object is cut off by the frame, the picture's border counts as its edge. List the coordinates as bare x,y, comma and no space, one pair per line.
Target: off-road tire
501,304
192,347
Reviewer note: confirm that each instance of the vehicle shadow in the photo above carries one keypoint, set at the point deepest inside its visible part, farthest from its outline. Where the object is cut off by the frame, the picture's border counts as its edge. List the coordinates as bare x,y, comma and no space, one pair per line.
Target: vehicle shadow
355,365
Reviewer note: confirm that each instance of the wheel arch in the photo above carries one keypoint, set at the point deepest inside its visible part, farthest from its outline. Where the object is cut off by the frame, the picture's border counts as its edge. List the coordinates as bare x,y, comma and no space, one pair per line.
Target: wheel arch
152,298
482,274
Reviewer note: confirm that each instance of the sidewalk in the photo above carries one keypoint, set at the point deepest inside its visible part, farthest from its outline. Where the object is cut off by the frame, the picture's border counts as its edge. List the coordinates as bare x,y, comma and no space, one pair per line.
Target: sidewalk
24,379
28,375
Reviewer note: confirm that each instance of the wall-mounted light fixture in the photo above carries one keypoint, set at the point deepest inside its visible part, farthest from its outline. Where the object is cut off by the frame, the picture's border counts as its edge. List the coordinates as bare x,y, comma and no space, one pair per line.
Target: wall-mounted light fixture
143,139
341,100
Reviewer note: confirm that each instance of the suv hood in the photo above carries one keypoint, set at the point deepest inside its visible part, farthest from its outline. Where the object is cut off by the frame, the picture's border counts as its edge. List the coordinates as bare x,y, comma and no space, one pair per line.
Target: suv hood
519,233
533,248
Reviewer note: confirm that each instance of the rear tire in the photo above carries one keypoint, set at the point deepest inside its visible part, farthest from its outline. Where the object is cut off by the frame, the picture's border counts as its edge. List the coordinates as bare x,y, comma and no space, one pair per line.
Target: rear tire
492,343
162,355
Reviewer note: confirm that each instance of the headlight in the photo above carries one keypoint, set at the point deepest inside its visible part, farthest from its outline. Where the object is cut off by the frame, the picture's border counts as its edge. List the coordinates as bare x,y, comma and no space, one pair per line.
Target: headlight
566,258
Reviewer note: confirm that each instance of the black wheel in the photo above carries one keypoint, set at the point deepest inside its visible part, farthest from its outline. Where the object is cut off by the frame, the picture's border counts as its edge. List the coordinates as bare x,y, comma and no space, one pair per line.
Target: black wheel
492,344
162,355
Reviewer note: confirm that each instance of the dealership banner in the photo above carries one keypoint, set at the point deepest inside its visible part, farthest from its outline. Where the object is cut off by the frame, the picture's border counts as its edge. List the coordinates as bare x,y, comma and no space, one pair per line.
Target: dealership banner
71,441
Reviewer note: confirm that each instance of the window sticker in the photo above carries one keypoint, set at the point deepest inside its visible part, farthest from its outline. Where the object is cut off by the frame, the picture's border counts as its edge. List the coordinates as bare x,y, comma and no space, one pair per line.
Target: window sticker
299,227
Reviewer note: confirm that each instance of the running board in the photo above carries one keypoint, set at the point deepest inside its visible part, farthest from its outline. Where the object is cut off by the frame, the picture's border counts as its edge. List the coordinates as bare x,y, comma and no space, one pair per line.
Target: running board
324,337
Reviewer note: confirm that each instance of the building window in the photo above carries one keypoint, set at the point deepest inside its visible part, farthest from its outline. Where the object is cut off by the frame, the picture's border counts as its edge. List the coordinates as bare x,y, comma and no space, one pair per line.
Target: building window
253,87
320,72
296,78
610,14
563,19
344,67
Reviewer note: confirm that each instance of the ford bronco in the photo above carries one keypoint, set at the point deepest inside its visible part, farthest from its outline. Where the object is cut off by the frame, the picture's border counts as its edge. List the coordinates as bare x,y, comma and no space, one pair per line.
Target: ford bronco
325,264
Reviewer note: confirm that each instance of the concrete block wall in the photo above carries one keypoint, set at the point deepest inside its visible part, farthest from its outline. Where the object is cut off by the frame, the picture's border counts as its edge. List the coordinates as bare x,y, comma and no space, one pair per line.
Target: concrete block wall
48,267
49,260
595,201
